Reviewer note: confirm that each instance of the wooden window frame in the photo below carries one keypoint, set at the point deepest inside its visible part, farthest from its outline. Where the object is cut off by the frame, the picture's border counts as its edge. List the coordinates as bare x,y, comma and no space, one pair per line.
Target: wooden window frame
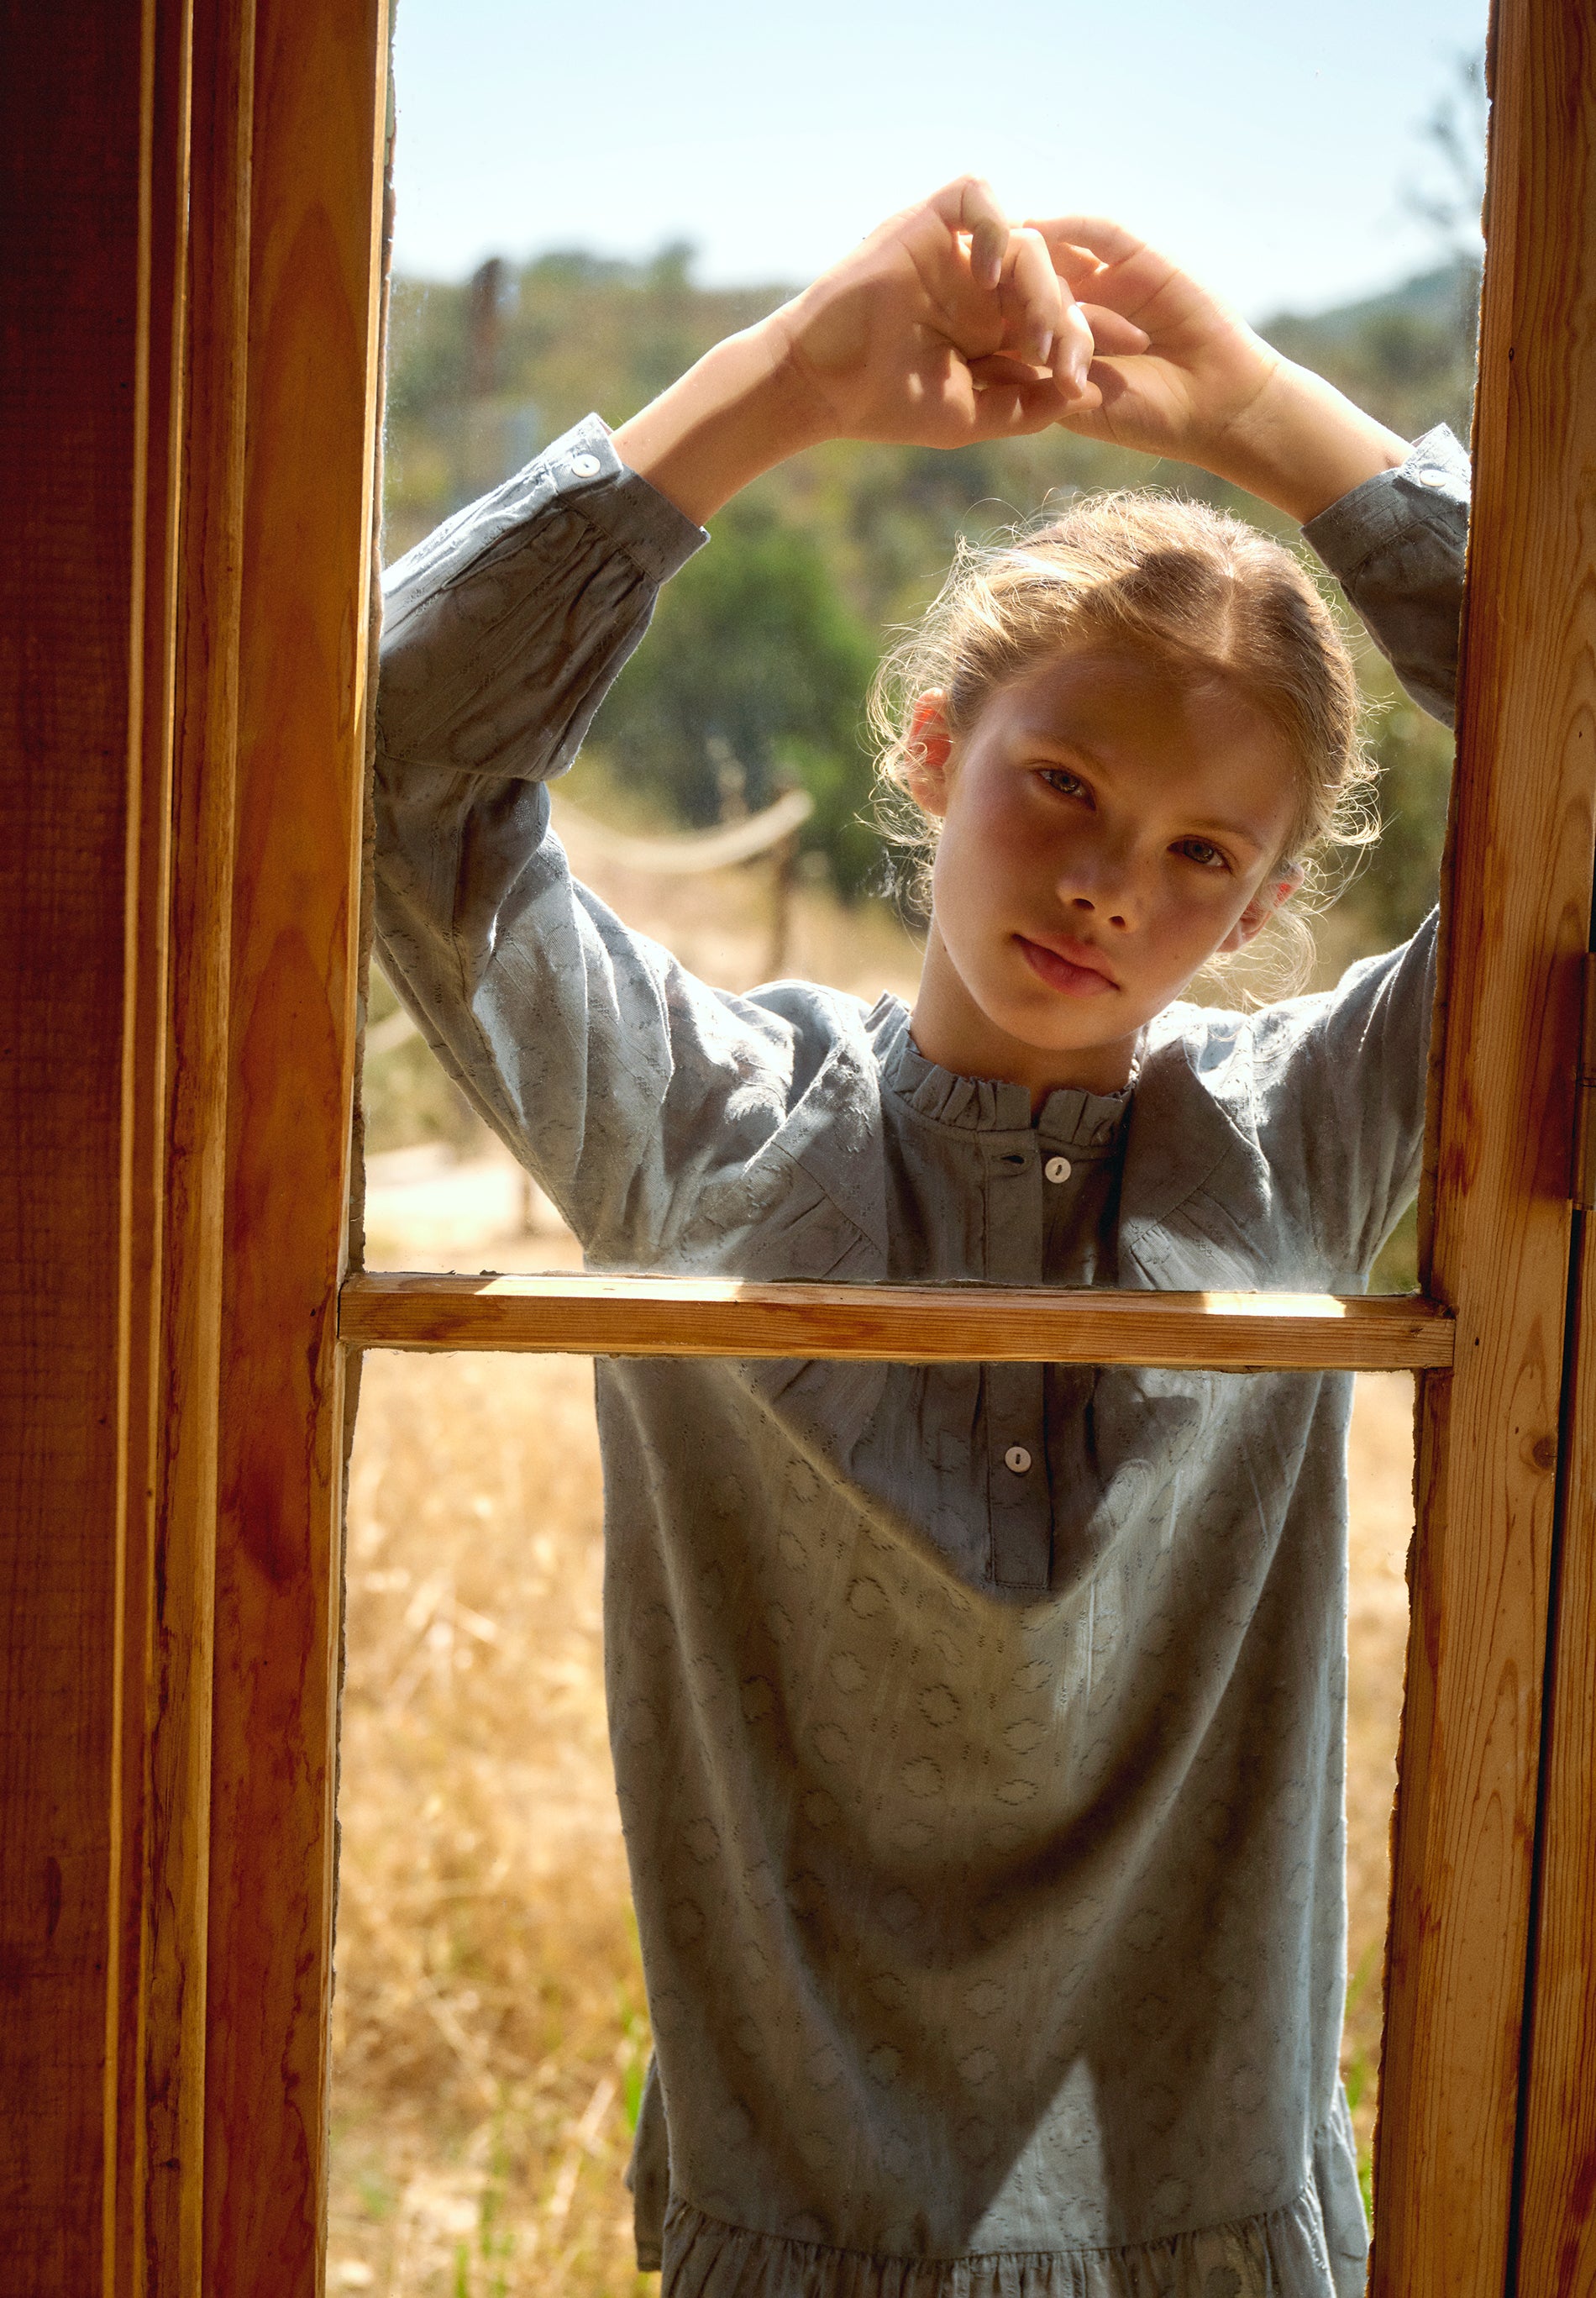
222,646
904,1324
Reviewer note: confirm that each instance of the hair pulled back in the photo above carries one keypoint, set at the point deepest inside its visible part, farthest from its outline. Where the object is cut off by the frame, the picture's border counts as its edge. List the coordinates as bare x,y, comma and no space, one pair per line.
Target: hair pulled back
1190,587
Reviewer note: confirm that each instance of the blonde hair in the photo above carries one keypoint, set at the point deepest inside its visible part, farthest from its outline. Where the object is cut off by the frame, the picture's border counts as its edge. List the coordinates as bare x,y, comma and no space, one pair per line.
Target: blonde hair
1190,586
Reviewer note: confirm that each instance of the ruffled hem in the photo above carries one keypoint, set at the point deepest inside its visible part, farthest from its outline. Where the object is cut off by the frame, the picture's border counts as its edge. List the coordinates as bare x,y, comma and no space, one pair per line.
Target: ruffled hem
1282,2254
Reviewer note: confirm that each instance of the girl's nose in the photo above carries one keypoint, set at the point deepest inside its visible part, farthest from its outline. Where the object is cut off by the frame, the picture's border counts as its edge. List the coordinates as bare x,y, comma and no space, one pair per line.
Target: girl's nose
1097,887
1083,903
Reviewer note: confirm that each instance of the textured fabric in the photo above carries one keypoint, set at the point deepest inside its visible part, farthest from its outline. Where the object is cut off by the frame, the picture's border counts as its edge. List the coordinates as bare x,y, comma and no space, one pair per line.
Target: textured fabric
1396,544
1284,2250
978,1730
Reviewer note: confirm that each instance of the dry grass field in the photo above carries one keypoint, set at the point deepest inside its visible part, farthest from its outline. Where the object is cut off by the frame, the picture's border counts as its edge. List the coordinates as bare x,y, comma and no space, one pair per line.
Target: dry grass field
489,2032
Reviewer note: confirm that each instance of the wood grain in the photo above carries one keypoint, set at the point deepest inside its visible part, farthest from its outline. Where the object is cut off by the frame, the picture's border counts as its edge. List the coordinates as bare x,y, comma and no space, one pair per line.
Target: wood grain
146,1072
1556,2231
908,1324
1518,923
86,381
319,100
203,706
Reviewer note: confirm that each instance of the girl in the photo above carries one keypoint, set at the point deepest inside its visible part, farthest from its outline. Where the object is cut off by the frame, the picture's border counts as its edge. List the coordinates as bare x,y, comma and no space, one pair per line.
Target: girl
978,1730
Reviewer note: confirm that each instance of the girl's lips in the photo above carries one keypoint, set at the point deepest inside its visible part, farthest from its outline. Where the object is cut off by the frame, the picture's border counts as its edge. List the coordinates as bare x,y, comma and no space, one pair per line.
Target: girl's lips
1061,972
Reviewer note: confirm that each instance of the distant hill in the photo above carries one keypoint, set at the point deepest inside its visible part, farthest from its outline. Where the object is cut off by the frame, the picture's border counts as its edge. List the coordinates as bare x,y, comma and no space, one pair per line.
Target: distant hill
1407,354
1431,299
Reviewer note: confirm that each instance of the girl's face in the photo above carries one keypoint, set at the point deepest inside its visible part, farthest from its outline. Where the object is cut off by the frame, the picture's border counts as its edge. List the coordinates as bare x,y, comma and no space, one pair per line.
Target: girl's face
1107,827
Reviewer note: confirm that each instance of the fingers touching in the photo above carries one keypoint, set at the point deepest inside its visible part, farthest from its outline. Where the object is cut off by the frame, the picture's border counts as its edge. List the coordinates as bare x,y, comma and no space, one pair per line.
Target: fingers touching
1106,265
1066,290
1011,397
1112,335
1041,325
1036,304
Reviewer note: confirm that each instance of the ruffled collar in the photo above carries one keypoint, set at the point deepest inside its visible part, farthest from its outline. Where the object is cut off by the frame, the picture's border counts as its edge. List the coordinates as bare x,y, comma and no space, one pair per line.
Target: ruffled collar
1086,1123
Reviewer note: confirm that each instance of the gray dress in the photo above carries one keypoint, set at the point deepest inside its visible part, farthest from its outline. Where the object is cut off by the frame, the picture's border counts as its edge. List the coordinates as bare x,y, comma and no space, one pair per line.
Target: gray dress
978,1730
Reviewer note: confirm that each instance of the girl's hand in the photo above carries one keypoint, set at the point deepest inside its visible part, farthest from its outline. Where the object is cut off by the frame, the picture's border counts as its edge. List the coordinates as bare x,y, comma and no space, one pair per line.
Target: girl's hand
1206,389
946,325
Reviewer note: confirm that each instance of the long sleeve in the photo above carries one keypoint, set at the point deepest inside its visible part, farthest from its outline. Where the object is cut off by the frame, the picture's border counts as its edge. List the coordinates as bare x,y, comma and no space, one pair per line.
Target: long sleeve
629,1088
1395,544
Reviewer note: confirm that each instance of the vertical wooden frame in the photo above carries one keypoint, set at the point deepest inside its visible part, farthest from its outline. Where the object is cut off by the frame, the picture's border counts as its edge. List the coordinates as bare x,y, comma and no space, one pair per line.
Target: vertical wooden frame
1555,2250
164,2205
147,1059
136,1452
1557,2203
320,85
91,314
1518,927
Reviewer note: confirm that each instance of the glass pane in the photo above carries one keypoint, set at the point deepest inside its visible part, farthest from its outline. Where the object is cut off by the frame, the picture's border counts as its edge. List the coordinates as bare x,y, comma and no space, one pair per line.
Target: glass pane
490,2025
749,690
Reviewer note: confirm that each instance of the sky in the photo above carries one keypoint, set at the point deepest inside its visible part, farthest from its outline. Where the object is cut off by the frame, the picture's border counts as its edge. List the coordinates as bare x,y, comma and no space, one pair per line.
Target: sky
1267,144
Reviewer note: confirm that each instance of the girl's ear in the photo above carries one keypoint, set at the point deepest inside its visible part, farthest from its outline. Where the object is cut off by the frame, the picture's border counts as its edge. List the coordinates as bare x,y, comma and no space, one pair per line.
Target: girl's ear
930,747
1278,886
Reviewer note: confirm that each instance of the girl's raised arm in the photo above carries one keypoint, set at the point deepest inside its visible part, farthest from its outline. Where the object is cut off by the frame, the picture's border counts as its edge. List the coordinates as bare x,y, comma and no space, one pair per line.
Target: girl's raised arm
1202,386
945,325
634,1091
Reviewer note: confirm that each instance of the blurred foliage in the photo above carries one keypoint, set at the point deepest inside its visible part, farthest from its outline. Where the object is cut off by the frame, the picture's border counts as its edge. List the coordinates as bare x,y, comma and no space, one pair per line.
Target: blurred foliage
751,677
484,372
755,671
1407,357
1395,883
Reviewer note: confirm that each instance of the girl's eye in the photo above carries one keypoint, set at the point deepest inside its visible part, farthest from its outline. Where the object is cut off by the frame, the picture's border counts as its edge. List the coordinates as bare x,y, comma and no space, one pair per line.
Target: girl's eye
1198,851
1060,778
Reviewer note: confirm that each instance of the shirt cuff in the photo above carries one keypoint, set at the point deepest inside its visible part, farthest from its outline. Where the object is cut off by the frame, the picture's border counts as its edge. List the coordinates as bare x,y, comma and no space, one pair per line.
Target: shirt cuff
582,472
1429,489
592,478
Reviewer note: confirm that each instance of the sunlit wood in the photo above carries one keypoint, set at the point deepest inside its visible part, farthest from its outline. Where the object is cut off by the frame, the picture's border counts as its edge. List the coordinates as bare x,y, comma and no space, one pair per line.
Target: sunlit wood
1518,920
164,2212
1558,2208
316,184
909,1323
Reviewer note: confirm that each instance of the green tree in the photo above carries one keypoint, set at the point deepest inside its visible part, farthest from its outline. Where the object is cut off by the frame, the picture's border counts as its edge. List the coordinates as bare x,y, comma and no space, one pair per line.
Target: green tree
754,674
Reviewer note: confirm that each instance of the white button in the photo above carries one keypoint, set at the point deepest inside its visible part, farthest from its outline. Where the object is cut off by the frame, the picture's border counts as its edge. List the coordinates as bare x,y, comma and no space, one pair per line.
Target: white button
1430,477
1017,1458
585,466
1058,1168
